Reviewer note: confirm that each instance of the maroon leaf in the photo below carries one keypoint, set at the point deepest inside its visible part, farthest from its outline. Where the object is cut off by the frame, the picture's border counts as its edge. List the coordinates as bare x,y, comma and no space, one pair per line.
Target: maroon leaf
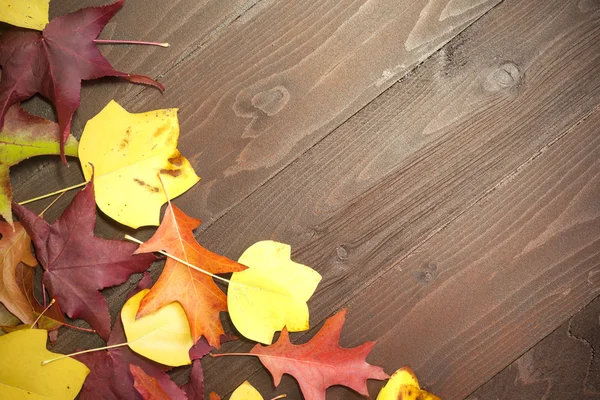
77,264
55,62
149,387
110,377
202,348
195,386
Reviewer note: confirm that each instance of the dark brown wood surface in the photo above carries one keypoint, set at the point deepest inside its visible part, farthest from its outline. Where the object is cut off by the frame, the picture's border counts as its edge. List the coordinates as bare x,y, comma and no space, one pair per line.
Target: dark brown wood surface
438,162
564,365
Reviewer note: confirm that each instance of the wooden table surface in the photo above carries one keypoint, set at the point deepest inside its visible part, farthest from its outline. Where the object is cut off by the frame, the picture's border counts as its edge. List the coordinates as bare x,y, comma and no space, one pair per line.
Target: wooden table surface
438,162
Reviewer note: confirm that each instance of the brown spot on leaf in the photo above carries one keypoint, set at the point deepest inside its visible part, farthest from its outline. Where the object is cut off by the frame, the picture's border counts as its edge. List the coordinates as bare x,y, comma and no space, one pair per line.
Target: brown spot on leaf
172,172
176,159
125,141
161,131
151,188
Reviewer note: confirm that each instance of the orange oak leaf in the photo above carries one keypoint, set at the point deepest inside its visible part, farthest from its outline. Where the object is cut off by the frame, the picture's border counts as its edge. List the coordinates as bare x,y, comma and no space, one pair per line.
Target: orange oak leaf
321,362
197,293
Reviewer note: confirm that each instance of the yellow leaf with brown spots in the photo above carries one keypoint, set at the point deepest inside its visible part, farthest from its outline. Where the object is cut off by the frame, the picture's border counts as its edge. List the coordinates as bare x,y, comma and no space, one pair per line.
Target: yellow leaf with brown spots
403,385
128,153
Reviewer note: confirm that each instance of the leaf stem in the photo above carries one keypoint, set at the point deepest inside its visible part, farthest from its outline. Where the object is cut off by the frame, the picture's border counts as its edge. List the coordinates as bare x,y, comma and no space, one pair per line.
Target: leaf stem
42,313
46,362
51,204
192,266
108,41
53,193
281,396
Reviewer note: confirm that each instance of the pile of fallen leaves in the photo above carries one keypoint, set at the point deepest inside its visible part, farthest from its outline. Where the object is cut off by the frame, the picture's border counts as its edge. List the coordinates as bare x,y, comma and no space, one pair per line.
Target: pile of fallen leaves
132,168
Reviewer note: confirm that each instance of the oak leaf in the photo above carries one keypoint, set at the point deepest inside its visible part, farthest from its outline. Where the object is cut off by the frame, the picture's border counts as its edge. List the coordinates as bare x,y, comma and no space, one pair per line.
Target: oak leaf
271,293
24,136
197,293
403,384
32,14
163,336
24,351
321,362
128,153
15,247
78,264
55,62
110,378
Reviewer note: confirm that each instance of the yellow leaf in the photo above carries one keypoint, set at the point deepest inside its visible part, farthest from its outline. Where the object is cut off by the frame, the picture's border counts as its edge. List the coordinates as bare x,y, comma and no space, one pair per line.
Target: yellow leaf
245,392
163,336
403,384
32,14
128,152
22,375
271,293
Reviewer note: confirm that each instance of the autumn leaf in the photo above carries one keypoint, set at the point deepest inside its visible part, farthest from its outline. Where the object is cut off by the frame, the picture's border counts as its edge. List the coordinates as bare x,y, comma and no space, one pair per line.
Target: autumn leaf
321,362
15,247
55,62
77,264
403,384
163,336
23,351
197,293
152,389
7,320
24,136
246,392
128,153
50,319
202,348
110,378
32,14
149,387
271,293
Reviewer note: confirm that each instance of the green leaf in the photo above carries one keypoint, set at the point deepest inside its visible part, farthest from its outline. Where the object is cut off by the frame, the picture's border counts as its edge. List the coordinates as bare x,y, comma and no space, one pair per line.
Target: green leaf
24,136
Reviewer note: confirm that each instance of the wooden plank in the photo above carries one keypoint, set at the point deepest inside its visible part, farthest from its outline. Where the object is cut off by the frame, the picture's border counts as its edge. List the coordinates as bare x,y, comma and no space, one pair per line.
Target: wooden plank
275,80
480,127
562,366
506,273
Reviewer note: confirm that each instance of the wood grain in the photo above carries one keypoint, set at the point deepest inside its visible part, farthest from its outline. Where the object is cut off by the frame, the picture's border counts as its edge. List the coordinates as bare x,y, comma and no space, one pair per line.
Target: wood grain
564,365
275,79
491,128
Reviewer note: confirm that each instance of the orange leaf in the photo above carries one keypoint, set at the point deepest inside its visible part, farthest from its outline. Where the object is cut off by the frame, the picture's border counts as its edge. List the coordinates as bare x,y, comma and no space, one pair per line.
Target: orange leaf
214,396
197,293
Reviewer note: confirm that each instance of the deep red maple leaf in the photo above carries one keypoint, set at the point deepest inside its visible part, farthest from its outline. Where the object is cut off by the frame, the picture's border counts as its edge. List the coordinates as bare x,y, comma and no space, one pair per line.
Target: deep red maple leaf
76,263
110,377
197,293
55,62
321,362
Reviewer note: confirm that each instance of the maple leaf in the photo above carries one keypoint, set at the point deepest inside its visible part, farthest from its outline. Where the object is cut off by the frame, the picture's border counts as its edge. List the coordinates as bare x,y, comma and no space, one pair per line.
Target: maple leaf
24,136
32,14
110,377
197,293
76,263
55,62
321,362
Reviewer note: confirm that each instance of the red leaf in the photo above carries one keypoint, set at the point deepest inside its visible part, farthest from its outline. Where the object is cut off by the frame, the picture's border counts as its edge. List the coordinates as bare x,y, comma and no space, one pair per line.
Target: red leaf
202,348
149,387
199,296
321,362
110,378
77,264
55,62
